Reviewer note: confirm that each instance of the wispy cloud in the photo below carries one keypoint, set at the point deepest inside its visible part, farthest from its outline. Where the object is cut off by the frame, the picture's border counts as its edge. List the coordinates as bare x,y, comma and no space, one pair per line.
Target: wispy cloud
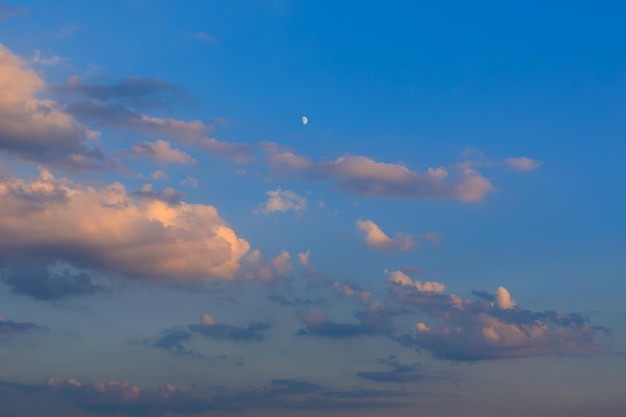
7,11
522,164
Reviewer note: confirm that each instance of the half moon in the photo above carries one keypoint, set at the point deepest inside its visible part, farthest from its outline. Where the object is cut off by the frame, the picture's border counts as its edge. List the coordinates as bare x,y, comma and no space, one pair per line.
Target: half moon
305,120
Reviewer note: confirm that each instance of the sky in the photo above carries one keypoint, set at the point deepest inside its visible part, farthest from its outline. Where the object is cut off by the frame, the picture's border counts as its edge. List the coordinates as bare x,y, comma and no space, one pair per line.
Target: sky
307,208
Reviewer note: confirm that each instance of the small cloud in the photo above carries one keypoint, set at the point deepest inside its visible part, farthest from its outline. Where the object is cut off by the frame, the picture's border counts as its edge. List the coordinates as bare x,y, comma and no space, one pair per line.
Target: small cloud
208,39
436,238
159,175
161,152
10,327
304,258
52,60
376,239
7,11
522,163
283,201
190,182
255,266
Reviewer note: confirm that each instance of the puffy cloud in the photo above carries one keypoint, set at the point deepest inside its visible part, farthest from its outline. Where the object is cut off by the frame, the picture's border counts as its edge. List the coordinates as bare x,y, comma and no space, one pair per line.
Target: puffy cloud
522,164
377,239
492,327
161,151
39,130
503,299
304,258
404,280
256,267
283,201
364,176
107,229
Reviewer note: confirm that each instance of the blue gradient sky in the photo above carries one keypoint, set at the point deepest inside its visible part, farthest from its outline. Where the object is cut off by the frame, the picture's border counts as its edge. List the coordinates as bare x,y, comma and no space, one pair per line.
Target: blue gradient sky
444,236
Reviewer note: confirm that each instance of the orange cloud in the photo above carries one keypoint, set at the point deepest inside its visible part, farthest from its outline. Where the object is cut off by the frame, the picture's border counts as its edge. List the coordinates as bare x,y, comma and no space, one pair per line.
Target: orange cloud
106,228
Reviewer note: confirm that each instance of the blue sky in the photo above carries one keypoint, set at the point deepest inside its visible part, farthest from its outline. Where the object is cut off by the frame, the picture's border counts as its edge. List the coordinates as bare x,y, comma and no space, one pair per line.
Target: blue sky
444,236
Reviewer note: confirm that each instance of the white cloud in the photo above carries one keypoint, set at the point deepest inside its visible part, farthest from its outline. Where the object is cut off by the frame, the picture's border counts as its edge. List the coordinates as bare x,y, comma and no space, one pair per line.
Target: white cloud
283,201
375,238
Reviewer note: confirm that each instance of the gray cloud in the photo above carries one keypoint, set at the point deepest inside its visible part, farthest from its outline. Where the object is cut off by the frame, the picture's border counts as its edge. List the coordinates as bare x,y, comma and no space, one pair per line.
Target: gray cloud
38,281
10,327
371,322
174,339
491,327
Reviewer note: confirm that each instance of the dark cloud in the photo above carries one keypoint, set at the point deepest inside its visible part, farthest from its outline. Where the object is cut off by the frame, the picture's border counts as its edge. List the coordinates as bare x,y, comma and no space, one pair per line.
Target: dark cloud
375,322
136,91
38,281
124,399
174,339
399,373
10,327
251,332
168,195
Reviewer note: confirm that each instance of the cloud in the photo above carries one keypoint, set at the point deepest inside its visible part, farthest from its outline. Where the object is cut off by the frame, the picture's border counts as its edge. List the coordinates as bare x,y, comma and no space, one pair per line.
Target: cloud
52,60
401,374
492,327
522,164
38,130
378,240
10,327
105,228
135,91
283,201
372,321
209,328
205,38
120,398
161,152
43,282
399,277
256,267
7,11
436,238
364,176
174,339
304,257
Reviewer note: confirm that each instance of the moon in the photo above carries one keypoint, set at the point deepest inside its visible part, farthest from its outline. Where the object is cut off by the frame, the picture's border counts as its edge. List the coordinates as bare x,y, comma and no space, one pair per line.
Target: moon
305,120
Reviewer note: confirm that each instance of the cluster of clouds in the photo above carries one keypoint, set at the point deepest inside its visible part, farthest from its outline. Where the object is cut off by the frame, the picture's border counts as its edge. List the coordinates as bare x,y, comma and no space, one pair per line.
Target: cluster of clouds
119,398
492,326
